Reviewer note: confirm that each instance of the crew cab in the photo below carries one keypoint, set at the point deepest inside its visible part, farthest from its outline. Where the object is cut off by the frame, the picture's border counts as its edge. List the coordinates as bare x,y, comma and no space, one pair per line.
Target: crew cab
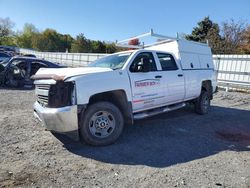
93,103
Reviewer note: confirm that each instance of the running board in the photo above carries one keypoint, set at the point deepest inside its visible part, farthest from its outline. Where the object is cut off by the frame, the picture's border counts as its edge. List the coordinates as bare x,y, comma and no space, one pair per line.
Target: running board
149,113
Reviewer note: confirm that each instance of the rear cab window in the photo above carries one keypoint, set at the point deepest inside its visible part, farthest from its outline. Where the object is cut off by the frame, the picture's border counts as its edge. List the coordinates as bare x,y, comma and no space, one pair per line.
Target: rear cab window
167,62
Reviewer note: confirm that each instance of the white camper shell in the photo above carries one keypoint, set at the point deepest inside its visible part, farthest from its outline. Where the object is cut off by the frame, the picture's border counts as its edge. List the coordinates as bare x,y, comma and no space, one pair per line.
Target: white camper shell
192,55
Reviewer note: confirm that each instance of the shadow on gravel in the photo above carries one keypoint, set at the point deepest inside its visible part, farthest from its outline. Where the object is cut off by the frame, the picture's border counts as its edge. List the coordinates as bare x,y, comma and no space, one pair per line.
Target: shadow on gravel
176,137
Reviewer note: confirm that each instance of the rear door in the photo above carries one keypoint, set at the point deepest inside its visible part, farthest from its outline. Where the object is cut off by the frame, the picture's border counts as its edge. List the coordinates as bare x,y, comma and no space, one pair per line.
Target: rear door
146,86
172,77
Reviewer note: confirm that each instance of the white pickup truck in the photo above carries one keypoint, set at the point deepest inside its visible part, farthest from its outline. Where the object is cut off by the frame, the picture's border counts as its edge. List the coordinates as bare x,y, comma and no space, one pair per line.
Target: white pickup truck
93,103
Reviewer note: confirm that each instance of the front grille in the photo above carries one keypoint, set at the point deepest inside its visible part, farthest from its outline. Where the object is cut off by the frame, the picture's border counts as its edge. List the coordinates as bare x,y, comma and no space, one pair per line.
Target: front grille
44,100
54,95
43,86
42,93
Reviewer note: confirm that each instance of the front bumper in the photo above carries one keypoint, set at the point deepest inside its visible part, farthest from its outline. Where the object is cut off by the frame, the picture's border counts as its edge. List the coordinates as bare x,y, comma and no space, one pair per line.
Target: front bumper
61,120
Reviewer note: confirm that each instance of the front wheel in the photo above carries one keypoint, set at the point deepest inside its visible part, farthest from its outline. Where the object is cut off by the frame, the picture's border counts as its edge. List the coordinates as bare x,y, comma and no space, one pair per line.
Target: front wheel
202,103
102,123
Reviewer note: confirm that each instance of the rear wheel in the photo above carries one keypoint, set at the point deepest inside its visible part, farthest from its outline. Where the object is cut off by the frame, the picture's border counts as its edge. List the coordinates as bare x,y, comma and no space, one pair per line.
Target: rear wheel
202,104
102,124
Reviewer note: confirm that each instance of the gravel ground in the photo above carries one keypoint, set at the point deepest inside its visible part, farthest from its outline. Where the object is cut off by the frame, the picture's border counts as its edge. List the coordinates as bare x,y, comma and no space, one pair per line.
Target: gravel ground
177,149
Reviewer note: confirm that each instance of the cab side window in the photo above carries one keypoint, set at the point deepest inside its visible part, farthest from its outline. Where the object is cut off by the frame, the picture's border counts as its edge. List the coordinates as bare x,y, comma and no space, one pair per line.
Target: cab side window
146,56
167,62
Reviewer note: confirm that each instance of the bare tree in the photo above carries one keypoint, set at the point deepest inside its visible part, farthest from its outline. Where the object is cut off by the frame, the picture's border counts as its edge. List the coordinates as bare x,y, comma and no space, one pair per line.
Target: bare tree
233,35
245,47
6,26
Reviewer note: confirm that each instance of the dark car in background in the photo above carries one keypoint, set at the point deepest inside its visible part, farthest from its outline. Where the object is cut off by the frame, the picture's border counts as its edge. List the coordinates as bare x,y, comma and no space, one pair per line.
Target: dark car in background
17,71
7,51
4,55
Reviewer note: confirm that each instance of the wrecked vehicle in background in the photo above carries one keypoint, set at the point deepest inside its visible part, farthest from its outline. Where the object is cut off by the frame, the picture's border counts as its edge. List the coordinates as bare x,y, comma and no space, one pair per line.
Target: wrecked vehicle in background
6,52
16,71
4,56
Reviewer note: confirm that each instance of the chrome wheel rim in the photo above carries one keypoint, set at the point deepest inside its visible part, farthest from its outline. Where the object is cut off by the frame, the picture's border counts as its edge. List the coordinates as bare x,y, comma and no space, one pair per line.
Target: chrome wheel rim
102,124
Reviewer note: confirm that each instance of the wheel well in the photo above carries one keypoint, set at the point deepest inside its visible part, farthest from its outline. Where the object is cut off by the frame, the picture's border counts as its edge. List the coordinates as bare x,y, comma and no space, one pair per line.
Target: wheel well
207,86
118,98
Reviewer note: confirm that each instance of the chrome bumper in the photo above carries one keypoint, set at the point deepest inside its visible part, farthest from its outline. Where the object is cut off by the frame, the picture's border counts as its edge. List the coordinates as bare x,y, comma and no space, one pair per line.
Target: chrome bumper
62,120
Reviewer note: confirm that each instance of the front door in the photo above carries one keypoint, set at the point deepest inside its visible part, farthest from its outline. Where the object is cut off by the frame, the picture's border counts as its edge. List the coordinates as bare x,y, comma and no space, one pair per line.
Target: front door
146,86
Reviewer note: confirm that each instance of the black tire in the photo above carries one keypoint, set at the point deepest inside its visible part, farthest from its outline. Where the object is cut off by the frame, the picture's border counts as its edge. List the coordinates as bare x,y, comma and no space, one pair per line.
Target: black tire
202,103
108,120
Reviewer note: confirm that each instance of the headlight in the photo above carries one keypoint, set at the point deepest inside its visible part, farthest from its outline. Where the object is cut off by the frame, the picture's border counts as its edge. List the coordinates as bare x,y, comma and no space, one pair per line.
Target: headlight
60,94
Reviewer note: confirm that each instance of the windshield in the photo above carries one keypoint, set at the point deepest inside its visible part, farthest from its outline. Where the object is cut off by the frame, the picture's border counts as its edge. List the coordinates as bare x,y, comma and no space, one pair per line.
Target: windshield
115,61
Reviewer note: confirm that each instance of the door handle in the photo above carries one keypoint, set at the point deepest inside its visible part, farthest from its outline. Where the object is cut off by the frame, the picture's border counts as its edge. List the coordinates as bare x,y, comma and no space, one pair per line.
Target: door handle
180,75
158,76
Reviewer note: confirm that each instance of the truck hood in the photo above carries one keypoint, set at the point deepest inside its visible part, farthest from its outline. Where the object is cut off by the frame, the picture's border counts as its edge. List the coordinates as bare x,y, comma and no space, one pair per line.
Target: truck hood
63,73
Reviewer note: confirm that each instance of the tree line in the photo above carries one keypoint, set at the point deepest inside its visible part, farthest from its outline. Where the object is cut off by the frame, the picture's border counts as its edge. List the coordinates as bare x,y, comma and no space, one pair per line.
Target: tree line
228,38
50,40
